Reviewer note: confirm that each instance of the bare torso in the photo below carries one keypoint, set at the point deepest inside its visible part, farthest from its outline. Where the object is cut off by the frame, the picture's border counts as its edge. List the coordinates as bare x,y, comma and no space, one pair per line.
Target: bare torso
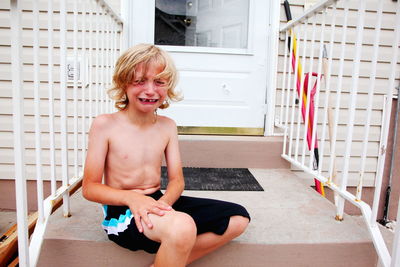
135,154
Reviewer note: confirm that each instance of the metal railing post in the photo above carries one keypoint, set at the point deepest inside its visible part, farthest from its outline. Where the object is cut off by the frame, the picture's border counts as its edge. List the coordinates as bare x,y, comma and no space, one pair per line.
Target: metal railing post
295,96
301,91
339,213
63,104
84,80
18,131
285,135
50,81
370,99
75,86
36,81
352,109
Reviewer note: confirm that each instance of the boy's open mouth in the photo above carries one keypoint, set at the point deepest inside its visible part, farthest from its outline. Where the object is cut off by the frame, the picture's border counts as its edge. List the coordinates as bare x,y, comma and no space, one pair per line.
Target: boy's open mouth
147,100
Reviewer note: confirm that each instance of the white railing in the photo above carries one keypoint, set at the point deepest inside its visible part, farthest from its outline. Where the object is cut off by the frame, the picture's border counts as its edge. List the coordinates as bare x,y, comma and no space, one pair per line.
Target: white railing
328,100
83,42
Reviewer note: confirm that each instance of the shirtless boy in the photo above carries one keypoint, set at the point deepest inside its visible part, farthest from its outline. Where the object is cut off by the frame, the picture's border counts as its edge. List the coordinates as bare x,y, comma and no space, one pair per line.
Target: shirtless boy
128,146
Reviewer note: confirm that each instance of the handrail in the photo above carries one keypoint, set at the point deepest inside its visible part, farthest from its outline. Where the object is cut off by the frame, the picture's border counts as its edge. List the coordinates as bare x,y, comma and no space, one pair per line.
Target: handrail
323,4
76,67
306,130
112,13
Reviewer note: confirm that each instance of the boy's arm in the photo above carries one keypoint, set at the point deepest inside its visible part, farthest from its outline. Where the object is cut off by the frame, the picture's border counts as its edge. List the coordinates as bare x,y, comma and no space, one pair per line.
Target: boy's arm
176,182
94,190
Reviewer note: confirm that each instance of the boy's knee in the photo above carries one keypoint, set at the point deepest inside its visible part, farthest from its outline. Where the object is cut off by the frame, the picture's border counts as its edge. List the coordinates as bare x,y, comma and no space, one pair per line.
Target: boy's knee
182,230
238,224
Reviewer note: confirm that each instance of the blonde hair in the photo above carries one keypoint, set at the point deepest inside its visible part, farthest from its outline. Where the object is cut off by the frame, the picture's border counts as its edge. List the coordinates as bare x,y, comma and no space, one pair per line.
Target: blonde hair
125,70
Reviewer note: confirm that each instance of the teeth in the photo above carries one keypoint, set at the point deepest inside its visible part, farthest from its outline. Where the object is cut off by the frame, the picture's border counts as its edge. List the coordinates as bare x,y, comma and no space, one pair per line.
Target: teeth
148,100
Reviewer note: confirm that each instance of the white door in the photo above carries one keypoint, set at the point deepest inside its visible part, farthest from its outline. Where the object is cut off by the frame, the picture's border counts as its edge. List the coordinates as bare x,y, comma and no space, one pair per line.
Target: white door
220,49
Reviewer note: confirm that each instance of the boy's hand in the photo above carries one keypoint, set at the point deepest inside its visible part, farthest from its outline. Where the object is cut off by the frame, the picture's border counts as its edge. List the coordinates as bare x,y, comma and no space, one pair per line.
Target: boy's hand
165,203
142,206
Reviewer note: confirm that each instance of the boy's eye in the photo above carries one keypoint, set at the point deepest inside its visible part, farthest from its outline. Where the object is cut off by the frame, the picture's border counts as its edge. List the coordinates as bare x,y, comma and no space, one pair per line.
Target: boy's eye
160,82
140,82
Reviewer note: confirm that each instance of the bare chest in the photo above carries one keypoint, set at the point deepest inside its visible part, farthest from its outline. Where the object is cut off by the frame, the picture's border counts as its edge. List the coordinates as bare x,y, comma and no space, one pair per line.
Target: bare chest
136,148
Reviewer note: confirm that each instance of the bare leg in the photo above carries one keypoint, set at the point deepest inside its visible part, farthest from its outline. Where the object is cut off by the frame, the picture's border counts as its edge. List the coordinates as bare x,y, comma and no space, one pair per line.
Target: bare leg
208,242
177,233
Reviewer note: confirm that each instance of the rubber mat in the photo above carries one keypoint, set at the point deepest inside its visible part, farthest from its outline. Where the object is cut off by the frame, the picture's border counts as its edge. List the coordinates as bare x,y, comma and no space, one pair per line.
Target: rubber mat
216,179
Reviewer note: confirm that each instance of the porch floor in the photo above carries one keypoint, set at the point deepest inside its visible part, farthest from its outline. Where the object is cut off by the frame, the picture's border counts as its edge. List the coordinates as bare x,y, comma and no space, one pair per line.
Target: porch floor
291,225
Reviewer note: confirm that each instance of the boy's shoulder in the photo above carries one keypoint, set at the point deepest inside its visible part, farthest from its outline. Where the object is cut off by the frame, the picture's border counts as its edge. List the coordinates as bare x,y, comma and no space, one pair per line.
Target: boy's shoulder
103,122
168,122
168,125
103,119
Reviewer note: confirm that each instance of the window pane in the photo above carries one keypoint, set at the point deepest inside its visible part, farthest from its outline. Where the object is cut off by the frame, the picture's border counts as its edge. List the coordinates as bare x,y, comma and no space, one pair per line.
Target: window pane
207,23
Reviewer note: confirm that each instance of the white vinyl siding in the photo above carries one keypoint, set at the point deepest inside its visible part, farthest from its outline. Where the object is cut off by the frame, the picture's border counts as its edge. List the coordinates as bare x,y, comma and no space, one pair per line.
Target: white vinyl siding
6,128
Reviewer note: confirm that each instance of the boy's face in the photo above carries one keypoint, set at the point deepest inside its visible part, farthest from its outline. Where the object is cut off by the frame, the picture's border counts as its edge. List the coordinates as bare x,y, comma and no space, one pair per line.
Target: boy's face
146,93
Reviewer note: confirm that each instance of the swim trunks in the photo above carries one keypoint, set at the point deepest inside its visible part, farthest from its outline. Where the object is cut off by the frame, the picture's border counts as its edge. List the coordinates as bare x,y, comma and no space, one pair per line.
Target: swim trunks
210,215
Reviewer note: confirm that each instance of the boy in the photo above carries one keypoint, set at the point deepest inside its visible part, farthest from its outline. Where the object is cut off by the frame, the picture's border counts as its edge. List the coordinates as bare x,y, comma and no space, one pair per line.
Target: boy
128,147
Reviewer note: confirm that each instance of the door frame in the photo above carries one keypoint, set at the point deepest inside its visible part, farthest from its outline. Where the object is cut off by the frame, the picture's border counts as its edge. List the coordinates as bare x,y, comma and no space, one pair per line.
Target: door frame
272,67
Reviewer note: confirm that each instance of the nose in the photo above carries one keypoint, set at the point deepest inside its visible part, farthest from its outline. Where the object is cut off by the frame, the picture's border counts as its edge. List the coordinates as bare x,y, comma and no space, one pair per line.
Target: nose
150,88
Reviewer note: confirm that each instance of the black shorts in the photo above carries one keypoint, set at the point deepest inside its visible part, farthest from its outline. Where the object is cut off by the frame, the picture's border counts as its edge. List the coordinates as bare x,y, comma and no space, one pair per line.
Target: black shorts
209,215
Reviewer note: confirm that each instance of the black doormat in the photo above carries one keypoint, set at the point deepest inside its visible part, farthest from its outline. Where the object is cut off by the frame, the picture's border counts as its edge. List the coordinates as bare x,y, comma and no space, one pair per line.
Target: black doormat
216,179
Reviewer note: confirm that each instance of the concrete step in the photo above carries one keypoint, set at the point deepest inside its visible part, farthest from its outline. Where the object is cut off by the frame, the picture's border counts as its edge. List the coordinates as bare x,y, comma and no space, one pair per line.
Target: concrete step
232,151
291,226
7,219
196,151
